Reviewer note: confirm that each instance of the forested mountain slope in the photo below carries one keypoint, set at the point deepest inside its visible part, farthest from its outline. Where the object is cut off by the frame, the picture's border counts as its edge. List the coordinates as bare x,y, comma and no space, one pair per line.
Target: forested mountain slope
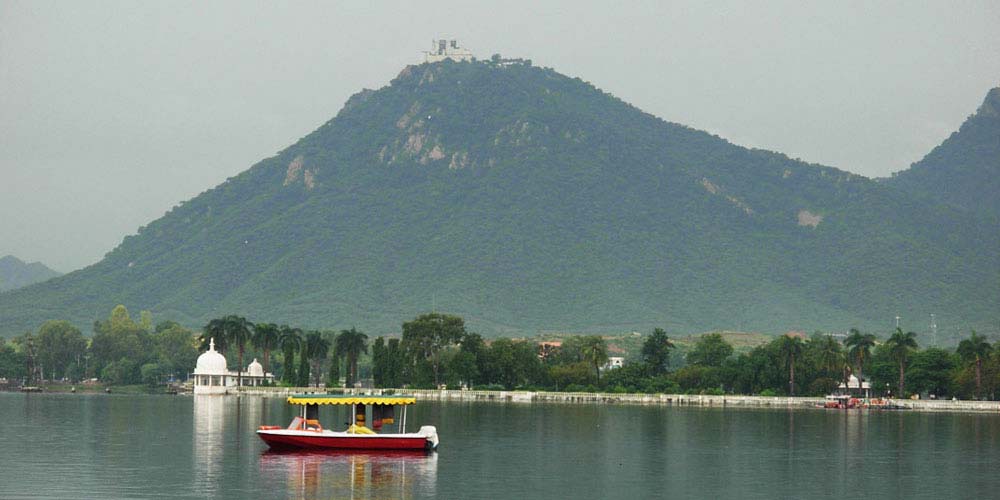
525,200
965,169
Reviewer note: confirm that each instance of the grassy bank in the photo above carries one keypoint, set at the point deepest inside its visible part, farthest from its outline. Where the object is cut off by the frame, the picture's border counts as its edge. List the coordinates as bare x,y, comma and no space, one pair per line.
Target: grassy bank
102,389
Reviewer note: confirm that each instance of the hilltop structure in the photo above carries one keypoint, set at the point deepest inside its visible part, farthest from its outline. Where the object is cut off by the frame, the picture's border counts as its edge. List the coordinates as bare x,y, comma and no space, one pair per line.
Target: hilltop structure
447,49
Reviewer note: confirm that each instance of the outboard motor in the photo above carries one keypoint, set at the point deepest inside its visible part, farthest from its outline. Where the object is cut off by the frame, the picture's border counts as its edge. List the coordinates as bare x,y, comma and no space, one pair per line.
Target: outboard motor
431,433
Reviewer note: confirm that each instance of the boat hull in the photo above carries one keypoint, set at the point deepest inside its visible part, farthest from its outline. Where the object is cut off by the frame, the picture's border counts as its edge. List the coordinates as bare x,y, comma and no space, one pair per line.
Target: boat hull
287,441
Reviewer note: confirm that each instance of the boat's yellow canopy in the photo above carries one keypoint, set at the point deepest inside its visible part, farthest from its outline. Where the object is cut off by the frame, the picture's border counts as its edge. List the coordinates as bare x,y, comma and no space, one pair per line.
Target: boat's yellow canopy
344,399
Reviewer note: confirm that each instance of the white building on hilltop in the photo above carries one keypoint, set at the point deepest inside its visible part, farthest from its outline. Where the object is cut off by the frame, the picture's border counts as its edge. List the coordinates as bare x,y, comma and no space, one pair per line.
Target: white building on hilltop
212,376
447,49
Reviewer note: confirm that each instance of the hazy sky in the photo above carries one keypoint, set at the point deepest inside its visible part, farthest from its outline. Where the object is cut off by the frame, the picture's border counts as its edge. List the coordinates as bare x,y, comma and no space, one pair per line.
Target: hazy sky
113,112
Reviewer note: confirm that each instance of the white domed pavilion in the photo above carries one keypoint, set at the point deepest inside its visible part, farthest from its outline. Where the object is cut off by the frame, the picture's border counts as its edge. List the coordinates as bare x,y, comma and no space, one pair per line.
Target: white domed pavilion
254,369
212,376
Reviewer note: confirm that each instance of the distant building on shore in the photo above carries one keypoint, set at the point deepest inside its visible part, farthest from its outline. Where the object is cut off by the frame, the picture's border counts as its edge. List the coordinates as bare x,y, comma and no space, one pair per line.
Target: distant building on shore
861,389
546,349
613,363
212,375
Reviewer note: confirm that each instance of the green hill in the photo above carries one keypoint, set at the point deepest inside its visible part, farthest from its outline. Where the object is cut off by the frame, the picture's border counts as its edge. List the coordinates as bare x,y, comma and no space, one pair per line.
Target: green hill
15,273
528,201
964,170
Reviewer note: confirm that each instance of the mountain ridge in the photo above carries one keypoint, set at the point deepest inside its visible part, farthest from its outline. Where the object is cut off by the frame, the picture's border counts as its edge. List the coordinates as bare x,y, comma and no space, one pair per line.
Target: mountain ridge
15,273
964,170
527,200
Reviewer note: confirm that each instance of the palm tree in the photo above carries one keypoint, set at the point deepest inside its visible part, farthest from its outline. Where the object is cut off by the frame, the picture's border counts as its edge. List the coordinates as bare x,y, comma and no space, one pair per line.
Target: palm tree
351,344
316,350
859,349
595,350
972,350
290,340
831,357
238,331
302,372
215,329
900,345
265,338
790,348
333,374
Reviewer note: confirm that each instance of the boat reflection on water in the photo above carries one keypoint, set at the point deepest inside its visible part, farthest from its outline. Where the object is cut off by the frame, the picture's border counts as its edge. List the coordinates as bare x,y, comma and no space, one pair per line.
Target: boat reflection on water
352,474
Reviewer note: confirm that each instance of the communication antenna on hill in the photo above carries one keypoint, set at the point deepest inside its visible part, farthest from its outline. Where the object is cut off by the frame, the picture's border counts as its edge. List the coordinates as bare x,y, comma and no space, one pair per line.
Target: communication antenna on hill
934,328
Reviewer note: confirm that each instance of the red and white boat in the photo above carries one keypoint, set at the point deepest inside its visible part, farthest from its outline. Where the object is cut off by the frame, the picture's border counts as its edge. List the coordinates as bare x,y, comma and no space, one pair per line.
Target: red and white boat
305,431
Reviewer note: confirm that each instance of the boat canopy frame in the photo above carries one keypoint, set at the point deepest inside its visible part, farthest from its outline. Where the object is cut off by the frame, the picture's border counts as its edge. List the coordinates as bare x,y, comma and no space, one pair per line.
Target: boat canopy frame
315,400
347,399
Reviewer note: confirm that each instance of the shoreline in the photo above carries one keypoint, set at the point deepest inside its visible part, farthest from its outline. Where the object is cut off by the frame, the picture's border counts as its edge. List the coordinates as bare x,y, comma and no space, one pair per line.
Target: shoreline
607,398
734,401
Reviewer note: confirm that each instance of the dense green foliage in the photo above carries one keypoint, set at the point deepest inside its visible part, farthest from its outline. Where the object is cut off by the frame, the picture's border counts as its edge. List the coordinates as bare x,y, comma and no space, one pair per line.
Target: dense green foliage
15,273
427,336
786,365
437,350
13,363
656,351
120,351
711,350
61,349
525,200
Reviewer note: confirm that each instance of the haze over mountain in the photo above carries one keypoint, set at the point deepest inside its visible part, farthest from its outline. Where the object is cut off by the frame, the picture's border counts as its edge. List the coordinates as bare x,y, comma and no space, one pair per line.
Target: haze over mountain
15,273
525,200
964,171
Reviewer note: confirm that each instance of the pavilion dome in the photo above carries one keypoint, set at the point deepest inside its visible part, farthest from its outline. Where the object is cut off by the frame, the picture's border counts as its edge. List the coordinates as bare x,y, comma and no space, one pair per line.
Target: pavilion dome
254,369
211,362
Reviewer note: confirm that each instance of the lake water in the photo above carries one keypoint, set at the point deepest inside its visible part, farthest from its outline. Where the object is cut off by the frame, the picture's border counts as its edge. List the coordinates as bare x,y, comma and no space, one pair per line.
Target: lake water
110,446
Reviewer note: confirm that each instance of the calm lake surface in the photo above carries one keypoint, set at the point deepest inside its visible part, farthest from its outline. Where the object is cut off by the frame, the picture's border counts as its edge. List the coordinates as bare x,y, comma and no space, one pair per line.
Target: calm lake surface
108,446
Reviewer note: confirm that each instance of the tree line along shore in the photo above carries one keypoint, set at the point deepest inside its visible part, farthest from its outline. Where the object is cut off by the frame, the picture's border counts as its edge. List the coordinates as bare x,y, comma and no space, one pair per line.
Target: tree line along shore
436,350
